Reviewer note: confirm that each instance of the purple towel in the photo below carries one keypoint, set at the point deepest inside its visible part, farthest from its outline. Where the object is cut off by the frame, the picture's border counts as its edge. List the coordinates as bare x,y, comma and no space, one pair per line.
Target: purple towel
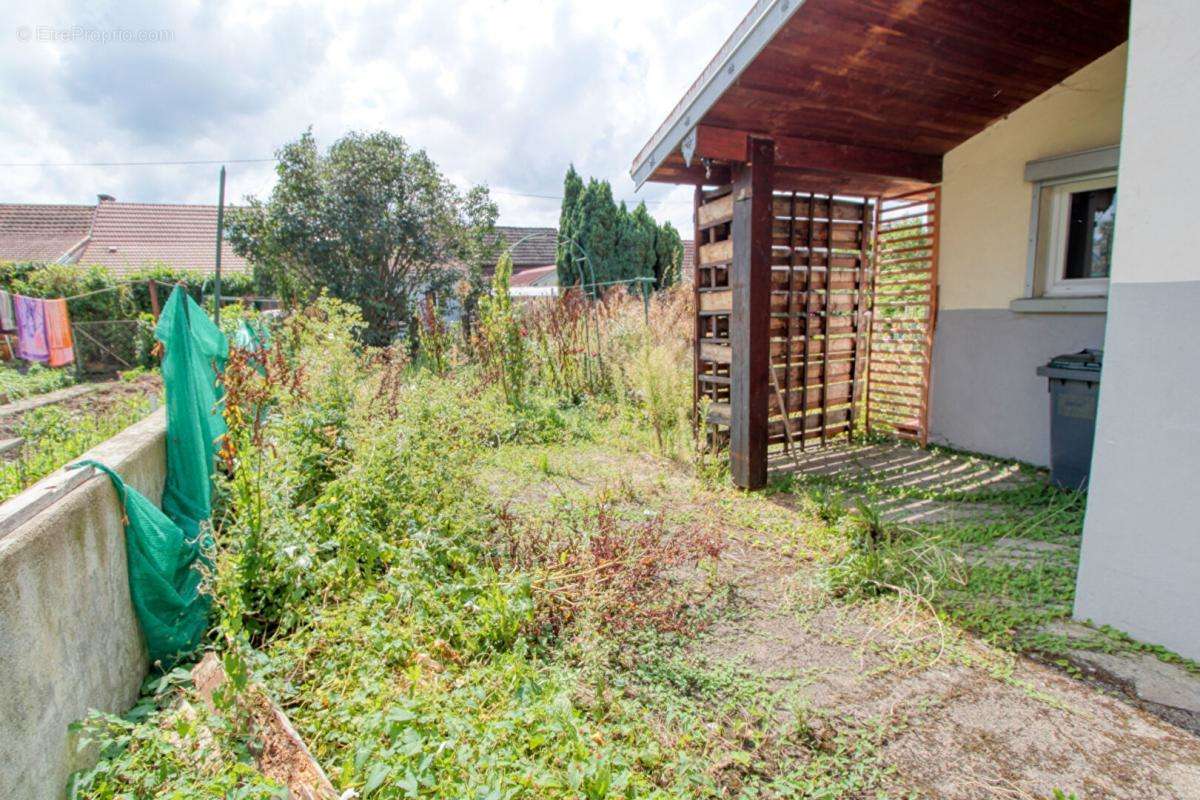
32,342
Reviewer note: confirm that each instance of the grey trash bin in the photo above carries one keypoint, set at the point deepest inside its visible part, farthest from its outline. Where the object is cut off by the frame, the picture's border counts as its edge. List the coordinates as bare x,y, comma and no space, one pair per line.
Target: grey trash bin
1074,390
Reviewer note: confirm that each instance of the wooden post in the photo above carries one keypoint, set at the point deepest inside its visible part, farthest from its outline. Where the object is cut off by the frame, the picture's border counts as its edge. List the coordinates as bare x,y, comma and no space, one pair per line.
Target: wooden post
698,321
220,234
749,328
154,308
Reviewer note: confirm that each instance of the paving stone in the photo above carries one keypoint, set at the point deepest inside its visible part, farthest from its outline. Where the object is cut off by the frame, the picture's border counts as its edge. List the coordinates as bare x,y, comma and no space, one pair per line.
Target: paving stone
1150,678
1014,552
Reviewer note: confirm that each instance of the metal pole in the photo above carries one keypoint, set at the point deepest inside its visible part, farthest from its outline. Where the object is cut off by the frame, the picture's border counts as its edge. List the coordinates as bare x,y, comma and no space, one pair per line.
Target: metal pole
220,234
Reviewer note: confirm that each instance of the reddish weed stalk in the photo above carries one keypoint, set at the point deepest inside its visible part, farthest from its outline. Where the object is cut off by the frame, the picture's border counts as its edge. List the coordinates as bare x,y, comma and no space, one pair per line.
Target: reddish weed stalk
630,575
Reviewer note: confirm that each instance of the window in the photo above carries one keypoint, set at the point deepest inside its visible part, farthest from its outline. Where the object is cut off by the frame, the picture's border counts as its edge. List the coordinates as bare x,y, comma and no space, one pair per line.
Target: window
1075,222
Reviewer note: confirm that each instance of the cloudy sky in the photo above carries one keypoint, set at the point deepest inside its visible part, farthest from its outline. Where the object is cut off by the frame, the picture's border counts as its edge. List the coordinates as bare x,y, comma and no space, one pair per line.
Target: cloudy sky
502,92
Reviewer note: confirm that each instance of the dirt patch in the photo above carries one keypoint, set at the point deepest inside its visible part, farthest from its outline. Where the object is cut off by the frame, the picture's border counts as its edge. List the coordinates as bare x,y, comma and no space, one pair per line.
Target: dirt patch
954,718
282,755
96,402
963,720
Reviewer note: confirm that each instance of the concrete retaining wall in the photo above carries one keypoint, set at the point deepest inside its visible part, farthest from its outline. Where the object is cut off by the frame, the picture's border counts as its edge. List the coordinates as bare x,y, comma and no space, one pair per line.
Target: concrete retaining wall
69,641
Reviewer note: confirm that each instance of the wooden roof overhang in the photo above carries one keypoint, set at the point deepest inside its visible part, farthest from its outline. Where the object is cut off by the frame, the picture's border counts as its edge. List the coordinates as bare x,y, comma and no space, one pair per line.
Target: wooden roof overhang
866,96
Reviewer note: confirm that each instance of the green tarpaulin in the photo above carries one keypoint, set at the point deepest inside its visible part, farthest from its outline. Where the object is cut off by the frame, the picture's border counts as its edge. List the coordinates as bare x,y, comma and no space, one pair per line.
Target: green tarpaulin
165,549
195,351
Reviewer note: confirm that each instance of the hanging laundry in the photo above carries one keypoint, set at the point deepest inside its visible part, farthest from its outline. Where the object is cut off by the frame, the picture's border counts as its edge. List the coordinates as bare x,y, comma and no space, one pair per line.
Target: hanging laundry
32,342
8,317
58,333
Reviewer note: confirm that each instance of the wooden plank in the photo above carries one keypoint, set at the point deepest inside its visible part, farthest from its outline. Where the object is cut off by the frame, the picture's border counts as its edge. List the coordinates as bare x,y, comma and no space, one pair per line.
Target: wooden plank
848,212
716,353
721,300
750,279
717,212
697,323
18,510
716,253
808,293
868,213
49,398
841,235
793,321
933,269
719,414
826,344
724,144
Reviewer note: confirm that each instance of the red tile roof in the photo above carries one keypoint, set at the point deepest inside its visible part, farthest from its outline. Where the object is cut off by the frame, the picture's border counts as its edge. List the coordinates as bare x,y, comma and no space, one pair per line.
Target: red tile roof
35,232
530,247
127,237
124,237
530,277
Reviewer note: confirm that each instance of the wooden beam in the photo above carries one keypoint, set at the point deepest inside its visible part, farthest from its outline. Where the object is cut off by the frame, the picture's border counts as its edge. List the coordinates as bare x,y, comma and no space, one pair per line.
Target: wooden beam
728,144
697,322
749,329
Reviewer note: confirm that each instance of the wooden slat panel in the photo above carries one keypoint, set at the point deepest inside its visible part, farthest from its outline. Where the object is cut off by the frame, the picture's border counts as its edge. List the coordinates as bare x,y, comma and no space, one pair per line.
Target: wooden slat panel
843,210
901,346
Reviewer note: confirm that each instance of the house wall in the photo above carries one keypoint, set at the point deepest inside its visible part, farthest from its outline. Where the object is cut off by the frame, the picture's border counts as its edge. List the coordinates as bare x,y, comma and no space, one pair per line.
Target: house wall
1140,566
69,640
985,355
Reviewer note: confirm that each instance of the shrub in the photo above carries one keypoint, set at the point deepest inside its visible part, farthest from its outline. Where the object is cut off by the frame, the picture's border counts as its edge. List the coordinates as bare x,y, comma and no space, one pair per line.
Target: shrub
501,342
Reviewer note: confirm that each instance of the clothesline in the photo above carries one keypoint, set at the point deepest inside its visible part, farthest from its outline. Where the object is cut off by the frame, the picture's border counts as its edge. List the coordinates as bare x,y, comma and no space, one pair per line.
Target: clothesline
119,285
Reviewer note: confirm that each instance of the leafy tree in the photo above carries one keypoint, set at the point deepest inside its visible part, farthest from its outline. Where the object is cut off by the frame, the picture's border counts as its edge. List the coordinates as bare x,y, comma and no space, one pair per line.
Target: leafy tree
371,220
668,263
568,270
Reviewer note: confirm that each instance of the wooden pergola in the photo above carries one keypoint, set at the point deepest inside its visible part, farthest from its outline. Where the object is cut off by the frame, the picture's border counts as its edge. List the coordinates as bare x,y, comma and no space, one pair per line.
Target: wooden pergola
815,139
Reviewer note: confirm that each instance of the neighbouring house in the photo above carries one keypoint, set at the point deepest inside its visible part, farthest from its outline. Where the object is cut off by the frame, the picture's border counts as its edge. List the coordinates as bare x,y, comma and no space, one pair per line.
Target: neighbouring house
529,247
687,273
535,282
124,237
903,209
536,248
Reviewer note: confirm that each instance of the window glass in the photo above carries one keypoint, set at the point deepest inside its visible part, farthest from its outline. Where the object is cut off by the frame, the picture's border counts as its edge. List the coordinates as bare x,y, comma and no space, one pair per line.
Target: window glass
1090,233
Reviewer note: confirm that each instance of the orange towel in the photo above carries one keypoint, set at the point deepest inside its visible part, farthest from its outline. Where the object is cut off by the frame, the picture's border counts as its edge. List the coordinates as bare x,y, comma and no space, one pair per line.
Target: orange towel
58,331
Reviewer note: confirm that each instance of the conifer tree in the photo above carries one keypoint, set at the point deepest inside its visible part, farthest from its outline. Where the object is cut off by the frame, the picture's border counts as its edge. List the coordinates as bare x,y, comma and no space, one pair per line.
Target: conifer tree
568,269
668,265
595,228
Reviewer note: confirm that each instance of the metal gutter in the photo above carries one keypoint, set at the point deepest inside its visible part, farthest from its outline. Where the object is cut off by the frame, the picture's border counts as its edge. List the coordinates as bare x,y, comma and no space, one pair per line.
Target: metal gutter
754,32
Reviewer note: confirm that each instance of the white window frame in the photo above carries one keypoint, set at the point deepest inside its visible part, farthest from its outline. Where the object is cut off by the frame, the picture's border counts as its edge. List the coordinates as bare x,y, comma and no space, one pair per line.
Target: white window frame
1054,232
1046,174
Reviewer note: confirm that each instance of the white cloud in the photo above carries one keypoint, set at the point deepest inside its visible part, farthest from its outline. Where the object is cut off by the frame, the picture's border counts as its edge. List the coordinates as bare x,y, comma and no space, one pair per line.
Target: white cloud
503,92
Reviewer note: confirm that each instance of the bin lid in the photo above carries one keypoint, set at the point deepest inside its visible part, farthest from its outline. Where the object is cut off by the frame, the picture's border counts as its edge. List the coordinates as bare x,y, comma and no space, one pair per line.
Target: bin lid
1085,359
1084,365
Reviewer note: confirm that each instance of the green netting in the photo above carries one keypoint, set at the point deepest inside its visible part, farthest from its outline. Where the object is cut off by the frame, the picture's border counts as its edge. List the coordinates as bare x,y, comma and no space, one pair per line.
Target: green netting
164,581
254,338
163,547
195,350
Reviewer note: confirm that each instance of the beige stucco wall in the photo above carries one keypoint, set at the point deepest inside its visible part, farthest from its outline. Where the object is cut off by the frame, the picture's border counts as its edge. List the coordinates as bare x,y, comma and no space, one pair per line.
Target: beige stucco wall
985,199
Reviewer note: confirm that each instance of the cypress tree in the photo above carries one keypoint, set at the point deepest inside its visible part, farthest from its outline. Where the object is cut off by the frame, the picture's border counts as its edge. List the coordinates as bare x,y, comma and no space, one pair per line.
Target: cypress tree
668,248
646,255
595,227
568,270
